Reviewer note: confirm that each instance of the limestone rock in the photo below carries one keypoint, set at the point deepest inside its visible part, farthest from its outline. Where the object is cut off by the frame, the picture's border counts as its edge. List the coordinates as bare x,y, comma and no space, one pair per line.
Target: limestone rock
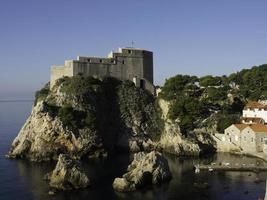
67,175
43,137
136,143
145,169
122,185
173,142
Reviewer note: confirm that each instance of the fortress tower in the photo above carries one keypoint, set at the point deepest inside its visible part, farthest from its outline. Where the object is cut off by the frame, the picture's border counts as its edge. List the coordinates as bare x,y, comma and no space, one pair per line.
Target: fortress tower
127,64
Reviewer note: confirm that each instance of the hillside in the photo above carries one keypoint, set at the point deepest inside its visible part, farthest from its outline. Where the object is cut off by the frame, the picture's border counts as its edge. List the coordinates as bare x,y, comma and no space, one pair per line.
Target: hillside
213,102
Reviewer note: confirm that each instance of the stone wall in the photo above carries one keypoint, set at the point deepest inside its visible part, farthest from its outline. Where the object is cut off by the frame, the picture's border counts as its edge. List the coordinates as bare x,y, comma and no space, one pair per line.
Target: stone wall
127,64
233,134
260,141
248,143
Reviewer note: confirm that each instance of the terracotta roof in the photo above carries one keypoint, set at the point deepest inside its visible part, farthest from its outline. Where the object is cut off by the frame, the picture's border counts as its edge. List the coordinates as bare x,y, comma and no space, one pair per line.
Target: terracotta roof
254,104
241,126
258,128
253,119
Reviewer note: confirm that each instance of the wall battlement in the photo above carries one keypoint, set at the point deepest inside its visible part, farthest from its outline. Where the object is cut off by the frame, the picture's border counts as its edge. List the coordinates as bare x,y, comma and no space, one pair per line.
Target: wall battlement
127,64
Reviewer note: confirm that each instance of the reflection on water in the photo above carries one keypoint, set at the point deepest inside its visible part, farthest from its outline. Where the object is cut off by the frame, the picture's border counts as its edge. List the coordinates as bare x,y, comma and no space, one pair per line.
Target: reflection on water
24,180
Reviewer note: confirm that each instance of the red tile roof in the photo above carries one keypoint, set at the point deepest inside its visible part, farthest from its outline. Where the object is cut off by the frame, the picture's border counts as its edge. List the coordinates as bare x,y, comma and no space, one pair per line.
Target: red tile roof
258,128
254,104
241,126
257,120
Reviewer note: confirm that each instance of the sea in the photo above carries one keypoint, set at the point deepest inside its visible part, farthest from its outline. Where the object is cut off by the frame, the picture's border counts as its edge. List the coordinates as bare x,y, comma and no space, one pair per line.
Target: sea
23,180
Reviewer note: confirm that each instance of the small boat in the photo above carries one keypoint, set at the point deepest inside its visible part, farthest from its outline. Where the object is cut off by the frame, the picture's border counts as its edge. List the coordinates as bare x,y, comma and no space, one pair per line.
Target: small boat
210,169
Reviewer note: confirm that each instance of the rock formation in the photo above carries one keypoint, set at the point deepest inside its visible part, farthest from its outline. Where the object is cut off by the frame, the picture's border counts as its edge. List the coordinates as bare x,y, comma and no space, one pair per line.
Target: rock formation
172,140
43,137
145,169
85,118
67,175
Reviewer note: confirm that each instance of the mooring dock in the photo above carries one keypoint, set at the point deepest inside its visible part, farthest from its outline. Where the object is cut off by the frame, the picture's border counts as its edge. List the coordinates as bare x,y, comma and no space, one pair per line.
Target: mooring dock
199,168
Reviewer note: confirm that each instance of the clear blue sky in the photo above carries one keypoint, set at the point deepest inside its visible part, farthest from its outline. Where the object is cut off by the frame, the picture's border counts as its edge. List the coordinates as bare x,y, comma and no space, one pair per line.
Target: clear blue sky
188,37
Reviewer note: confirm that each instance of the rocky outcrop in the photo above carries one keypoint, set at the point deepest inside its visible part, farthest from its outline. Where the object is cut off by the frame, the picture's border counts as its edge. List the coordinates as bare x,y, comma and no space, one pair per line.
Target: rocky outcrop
145,169
67,175
43,137
137,143
172,140
86,117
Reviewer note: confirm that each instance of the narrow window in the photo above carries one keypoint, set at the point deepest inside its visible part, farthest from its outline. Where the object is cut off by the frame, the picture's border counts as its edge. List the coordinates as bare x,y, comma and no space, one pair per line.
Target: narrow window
261,140
122,62
100,61
129,51
89,60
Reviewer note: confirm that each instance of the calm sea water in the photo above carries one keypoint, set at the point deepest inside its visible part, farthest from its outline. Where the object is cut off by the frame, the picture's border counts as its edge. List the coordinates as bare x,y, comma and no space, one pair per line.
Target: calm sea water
24,180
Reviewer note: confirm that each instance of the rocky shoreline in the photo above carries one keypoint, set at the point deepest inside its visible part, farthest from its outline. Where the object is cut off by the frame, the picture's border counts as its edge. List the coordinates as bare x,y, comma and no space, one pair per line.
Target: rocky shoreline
145,169
70,123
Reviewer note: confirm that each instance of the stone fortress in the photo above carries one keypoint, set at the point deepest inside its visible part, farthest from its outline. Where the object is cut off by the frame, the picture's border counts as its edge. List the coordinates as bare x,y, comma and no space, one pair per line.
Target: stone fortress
127,64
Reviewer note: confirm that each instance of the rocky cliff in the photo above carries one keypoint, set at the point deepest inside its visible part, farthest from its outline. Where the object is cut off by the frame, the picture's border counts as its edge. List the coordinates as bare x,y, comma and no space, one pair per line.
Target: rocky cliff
86,117
145,169
172,140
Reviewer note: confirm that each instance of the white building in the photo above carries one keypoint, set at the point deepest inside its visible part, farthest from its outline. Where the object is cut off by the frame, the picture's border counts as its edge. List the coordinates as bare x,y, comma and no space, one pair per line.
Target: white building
248,137
253,112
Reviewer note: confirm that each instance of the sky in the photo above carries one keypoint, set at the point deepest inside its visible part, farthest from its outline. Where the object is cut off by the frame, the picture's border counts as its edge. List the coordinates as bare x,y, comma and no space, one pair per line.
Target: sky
186,36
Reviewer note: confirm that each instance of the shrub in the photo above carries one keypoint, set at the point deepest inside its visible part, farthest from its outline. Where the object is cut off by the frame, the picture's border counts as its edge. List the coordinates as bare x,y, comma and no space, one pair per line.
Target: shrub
225,120
66,115
41,94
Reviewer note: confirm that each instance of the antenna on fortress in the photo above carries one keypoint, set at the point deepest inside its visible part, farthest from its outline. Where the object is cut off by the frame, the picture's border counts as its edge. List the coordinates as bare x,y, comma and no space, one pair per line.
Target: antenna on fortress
132,44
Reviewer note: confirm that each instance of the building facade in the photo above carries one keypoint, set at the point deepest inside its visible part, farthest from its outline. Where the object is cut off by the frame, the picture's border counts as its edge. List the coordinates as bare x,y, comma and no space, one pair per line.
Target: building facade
251,134
255,111
248,137
127,64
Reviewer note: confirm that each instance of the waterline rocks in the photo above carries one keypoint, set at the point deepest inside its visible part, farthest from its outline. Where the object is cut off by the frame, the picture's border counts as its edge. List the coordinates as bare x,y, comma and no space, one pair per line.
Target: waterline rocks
43,137
67,175
145,169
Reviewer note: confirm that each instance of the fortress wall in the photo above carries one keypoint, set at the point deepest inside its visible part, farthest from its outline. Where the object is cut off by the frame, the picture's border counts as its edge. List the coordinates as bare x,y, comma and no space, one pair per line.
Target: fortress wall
126,64
134,67
148,67
92,69
116,71
58,72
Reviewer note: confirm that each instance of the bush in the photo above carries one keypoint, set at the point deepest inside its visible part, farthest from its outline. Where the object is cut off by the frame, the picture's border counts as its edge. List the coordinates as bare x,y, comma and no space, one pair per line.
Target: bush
66,115
225,120
41,94
209,80
79,85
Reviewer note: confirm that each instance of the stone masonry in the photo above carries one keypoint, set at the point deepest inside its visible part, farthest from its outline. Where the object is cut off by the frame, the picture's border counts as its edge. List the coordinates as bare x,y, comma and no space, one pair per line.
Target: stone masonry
127,64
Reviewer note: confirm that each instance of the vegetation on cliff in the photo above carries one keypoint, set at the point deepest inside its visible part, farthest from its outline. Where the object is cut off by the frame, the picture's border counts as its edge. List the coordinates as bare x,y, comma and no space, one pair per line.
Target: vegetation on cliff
109,106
